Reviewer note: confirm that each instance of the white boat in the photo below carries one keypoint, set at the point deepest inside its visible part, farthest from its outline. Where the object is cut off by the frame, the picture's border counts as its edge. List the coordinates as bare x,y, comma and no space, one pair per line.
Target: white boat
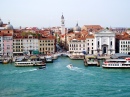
117,63
70,66
48,59
30,63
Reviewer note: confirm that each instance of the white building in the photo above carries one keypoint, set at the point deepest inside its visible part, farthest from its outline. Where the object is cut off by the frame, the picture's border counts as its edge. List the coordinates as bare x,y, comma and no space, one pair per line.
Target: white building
90,43
124,46
76,45
104,42
30,44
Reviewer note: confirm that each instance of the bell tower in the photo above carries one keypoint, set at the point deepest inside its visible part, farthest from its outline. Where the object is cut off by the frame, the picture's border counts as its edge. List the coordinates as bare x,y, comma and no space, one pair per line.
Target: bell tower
62,24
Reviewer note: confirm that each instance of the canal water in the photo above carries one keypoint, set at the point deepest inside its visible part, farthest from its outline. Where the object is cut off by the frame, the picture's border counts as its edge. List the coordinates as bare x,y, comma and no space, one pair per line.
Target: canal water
59,81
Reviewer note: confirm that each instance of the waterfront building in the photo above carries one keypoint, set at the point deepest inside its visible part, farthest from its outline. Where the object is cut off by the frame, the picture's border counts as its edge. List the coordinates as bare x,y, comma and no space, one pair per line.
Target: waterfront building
30,43
47,44
1,43
17,44
90,43
77,45
104,42
8,40
123,44
8,44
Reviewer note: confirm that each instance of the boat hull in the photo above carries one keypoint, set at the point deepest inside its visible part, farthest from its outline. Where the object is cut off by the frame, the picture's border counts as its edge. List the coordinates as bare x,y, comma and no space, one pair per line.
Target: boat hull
117,67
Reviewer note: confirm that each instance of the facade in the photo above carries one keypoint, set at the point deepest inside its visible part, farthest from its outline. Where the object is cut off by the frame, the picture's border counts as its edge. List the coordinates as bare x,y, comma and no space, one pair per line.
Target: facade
1,43
77,45
104,42
30,44
124,46
17,46
123,43
47,45
8,45
90,43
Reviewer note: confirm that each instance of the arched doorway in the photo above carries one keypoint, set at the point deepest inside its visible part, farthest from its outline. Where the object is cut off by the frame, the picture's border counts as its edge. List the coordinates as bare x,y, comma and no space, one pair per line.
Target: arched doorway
104,50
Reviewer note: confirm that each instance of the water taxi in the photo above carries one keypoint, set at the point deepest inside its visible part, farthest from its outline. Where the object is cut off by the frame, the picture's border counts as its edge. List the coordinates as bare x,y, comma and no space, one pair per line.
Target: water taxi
70,66
117,63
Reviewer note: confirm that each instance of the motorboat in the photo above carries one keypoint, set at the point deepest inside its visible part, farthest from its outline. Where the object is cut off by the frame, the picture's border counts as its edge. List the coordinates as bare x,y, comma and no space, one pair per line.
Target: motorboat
42,67
70,66
5,61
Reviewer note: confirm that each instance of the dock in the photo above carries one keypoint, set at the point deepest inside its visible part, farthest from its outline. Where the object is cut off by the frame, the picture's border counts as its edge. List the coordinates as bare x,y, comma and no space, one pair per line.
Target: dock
91,60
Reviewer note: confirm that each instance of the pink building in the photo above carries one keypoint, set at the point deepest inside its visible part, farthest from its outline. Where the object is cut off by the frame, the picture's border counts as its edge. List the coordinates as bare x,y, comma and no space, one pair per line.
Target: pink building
8,45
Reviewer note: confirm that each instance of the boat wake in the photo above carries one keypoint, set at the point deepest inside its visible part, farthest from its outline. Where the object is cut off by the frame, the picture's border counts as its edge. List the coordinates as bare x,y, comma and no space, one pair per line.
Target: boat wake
75,68
19,71
23,71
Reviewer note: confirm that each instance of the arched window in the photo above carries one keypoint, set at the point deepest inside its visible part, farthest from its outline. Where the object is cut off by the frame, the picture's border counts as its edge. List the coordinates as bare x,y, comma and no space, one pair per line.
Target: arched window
98,43
111,43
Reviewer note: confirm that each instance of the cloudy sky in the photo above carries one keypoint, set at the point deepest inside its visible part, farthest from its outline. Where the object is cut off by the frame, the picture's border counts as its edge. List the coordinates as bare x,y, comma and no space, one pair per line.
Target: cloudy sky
47,13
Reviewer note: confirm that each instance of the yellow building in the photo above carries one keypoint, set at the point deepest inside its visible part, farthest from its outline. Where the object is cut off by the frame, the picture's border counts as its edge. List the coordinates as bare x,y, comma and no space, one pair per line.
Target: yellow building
47,44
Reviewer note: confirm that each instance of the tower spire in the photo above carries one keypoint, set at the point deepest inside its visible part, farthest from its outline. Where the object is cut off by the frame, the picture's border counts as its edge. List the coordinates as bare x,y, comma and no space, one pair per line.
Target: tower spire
62,24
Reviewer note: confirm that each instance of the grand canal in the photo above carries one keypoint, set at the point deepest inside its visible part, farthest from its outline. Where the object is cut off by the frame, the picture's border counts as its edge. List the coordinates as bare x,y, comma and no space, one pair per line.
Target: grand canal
59,81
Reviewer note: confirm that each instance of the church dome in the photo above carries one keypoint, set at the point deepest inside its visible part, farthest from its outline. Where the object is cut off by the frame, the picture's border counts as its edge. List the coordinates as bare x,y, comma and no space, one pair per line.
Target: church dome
77,28
1,23
8,26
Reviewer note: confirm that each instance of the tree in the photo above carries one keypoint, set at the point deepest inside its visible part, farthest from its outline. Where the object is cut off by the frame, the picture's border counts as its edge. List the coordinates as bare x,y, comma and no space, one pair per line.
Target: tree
107,28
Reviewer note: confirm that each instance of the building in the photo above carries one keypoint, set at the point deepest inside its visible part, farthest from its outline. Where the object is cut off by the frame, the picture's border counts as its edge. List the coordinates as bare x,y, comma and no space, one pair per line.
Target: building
104,42
123,43
17,44
30,43
1,43
62,25
92,28
77,45
47,44
90,43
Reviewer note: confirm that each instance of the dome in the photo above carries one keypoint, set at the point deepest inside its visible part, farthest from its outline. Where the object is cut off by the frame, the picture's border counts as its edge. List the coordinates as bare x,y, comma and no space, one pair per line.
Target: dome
1,23
77,28
8,26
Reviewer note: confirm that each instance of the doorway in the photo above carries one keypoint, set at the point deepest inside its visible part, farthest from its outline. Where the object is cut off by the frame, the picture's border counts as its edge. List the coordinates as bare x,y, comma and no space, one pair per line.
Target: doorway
104,50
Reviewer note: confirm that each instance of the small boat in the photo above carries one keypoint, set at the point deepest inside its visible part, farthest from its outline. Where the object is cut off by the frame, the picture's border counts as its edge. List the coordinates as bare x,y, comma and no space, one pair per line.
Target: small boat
5,61
48,59
42,67
70,66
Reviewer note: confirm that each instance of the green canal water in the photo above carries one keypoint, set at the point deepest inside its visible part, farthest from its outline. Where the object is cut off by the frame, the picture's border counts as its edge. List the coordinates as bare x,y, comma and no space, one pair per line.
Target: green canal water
59,81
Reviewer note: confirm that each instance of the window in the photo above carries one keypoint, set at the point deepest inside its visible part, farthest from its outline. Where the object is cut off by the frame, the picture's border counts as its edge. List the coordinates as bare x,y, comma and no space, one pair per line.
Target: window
111,43
98,43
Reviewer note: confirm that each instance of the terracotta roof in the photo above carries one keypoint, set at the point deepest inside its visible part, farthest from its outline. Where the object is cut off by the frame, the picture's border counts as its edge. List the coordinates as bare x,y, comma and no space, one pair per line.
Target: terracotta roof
123,36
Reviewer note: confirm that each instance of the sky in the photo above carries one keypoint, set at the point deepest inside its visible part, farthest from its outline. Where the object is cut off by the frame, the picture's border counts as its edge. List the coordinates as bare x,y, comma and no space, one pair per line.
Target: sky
47,13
